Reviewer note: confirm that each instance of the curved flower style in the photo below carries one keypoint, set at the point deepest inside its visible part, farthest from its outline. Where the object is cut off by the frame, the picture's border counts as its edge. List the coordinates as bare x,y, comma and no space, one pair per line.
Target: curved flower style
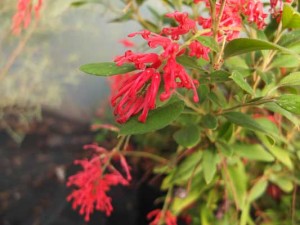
138,93
92,183
185,25
157,215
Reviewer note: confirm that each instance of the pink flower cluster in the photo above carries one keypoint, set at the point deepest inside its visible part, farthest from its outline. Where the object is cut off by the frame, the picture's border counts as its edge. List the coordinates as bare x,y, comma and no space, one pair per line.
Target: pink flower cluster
94,181
22,18
137,94
231,18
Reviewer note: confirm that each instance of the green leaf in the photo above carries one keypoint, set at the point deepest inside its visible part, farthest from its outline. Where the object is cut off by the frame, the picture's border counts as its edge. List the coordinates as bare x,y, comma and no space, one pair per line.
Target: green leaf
253,152
289,38
239,79
285,61
209,42
182,173
157,119
196,190
290,80
80,3
257,190
106,69
188,62
209,121
219,76
245,45
238,179
283,183
290,17
188,136
244,120
275,108
289,102
279,153
209,162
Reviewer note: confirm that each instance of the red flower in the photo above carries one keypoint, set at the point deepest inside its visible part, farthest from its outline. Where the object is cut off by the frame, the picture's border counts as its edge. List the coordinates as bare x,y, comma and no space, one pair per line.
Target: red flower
140,60
174,77
157,215
92,184
137,94
127,43
22,17
185,25
255,12
198,50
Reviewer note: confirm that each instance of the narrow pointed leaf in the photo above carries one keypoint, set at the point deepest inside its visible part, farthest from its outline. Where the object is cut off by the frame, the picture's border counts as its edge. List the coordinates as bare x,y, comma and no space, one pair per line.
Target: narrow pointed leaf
292,79
157,119
244,45
210,161
290,102
244,120
106,69
239,79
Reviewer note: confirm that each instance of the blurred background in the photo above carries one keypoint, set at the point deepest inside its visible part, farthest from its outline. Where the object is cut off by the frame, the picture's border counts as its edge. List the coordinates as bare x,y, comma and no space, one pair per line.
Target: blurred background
47,106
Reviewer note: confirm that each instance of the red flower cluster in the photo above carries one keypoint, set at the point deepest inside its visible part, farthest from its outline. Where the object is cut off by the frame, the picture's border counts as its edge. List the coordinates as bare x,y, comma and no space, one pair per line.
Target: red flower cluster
157,215
93,183
137,94
22,18
231,18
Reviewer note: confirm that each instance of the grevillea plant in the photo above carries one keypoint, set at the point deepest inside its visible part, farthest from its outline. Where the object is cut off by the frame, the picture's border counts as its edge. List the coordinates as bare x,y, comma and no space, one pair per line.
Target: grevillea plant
218,88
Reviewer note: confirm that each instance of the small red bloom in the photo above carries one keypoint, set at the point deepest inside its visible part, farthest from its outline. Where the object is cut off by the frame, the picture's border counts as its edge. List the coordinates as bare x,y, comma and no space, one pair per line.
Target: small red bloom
255,12
92,183
127,43
137,94
185,25
198,50
174,77
140,60
157,215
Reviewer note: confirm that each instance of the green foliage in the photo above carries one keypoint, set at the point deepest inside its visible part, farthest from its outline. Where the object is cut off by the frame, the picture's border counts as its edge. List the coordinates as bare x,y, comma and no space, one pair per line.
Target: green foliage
106,69
225,155
158,118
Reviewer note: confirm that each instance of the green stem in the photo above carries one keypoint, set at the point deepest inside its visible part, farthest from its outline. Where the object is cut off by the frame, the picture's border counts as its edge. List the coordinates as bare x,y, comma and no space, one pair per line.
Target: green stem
146,155
260,102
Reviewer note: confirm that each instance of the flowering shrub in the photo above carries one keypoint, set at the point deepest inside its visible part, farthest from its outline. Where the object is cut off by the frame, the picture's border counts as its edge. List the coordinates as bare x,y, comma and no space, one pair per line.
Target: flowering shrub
221,82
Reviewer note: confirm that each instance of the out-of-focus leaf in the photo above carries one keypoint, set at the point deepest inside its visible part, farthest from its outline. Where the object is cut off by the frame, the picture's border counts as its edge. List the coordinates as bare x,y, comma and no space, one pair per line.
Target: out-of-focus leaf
290,80
188,62
106,69
209,42
284,184
244,45
279,153
209,162
257,190
209,121
253,152
286,61
244,120
290,18
289,102
188,136
239,79
157,119
289,38
238,178
276,108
